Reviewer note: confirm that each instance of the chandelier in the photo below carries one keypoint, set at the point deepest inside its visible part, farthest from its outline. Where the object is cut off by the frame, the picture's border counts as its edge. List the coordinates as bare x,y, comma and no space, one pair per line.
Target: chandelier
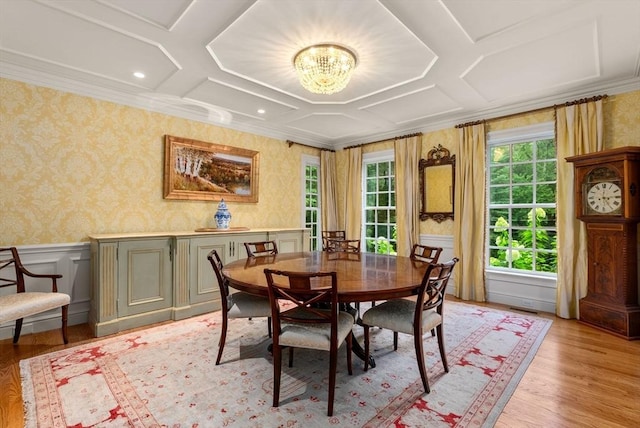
324,69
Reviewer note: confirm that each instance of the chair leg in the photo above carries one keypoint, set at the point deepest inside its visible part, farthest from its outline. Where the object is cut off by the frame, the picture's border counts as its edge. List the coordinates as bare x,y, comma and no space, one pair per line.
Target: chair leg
16,334
223,337
65,313
277,369
269,325
333,364
417,338
433,332
443,354
395,340
366,347
290,356
349,340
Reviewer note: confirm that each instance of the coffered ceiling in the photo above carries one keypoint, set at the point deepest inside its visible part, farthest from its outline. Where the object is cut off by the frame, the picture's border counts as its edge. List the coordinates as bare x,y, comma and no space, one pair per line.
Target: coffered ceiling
422,64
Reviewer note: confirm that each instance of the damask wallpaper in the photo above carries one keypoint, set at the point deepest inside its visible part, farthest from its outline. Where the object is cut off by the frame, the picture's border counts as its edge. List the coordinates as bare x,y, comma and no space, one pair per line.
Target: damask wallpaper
74,166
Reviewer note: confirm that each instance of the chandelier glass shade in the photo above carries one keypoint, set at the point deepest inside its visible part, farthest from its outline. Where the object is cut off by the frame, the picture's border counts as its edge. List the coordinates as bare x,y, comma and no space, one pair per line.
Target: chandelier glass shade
324,69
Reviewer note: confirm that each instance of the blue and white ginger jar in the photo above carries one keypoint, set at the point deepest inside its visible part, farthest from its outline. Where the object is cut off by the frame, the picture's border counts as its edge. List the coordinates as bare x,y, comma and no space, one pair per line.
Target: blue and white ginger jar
223,216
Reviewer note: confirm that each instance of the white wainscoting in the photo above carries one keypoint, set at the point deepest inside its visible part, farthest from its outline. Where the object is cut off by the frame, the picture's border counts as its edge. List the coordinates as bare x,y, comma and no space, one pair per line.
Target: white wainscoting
519,291
73,262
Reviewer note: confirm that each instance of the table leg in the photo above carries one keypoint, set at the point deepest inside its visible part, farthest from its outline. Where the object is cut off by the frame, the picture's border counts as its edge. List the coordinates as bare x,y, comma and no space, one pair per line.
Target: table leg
356,347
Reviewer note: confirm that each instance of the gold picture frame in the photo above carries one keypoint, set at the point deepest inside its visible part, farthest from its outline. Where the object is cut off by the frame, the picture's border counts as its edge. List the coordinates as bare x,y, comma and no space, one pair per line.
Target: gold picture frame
201,171
437,184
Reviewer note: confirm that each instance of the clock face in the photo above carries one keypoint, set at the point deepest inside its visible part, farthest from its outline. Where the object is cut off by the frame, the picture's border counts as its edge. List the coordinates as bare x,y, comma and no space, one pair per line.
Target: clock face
605,198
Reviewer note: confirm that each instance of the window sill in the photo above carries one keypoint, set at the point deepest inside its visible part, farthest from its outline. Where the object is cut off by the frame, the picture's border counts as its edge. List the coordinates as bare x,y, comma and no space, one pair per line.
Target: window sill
549,281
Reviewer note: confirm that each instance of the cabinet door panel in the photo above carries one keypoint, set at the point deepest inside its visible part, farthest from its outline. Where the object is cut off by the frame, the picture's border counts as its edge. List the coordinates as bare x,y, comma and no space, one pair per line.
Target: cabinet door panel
204,284
144,275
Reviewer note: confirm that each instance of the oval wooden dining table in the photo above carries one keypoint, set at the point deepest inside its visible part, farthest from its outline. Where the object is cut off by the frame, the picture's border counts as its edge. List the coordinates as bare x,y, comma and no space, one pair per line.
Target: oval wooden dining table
362,277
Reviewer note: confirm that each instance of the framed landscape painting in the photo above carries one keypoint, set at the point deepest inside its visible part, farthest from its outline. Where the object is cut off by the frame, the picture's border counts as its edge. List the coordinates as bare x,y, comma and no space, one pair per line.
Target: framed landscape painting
197,170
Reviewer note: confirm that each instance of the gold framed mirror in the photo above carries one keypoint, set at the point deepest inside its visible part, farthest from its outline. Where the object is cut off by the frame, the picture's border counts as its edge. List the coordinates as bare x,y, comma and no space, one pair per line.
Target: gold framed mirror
437,184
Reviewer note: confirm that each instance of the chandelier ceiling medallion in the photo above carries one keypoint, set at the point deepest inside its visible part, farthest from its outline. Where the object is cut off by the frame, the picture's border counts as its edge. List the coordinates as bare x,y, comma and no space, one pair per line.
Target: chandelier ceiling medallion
324,69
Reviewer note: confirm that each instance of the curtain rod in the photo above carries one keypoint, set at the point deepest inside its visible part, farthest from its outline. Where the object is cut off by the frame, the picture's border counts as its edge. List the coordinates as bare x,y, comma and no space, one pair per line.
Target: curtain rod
416,134
537,110
291,143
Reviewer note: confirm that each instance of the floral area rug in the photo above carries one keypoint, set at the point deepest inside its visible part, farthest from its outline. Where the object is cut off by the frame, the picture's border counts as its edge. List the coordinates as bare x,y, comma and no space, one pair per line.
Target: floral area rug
166,376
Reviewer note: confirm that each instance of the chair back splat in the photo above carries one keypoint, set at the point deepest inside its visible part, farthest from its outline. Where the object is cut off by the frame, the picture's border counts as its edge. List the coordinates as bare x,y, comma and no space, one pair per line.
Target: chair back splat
331,234
236,305
310,319
25,302
426,253
342,245
415,317
262,248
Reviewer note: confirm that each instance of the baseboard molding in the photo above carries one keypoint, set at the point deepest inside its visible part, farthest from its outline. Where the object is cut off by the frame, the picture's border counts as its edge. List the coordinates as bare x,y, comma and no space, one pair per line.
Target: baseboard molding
522,303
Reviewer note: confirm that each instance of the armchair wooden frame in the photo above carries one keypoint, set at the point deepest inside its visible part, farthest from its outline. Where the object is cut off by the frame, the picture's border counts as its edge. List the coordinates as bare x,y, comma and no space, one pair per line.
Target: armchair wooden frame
23,303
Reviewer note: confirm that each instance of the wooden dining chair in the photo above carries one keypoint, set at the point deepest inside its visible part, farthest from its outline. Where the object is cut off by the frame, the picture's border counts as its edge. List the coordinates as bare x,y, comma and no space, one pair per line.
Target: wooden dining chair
26,301
332,234
414,317
305,324
236,305
261,248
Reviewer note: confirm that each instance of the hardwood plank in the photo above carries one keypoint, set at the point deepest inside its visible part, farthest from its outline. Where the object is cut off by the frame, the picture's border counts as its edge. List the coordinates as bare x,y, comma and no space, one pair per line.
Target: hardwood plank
580,377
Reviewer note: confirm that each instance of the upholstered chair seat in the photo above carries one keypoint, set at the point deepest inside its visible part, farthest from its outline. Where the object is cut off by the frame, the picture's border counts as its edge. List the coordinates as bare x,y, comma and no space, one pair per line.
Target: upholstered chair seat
314,336
245,305
22,305
397,315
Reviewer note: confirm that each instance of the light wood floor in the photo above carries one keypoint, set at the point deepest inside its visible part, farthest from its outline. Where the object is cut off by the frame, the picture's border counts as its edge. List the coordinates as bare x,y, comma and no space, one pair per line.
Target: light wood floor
580,377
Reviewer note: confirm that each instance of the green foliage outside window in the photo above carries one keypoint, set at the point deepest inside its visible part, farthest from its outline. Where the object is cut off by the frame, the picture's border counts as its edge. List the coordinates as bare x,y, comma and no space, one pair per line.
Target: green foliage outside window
380,233
522,206
382,244
515,248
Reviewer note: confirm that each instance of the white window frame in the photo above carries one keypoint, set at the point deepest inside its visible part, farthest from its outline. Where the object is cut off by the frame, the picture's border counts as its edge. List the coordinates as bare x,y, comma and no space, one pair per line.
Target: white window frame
308,160
528,133
368,158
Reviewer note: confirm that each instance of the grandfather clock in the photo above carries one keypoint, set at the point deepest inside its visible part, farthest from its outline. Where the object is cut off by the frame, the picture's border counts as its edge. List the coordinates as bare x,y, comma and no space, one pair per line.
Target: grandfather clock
607,200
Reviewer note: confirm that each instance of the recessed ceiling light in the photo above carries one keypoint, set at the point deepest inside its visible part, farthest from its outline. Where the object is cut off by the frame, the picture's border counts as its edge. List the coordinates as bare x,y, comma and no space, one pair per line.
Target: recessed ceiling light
261,111
139,74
